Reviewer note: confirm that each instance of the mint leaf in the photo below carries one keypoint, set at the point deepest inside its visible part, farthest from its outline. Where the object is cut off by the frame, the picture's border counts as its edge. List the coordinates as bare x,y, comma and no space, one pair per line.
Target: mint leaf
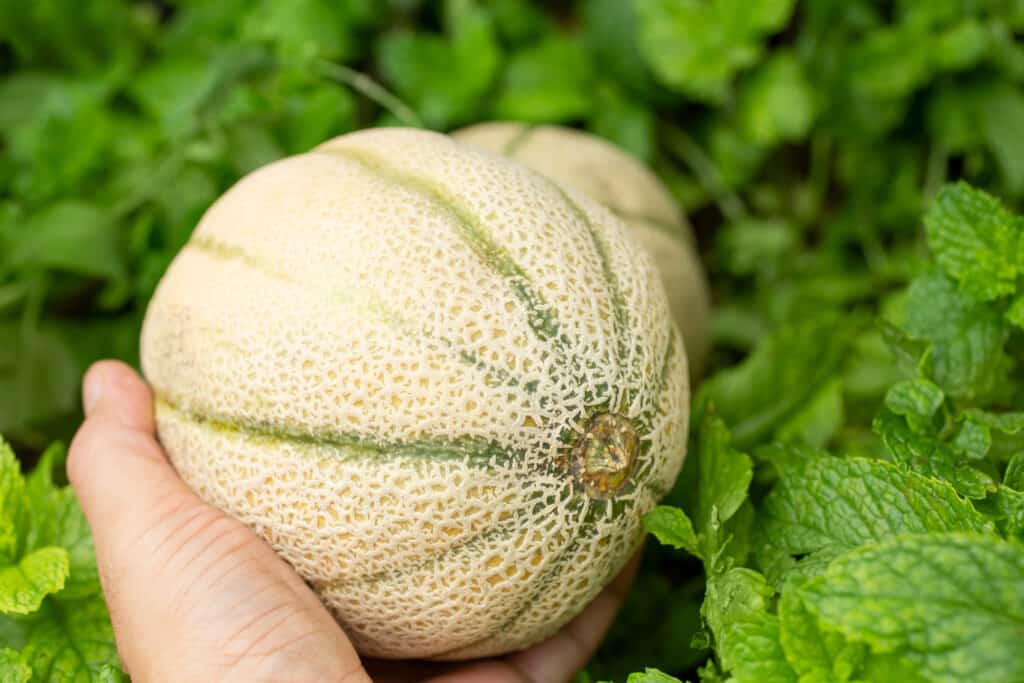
443,77
1007,423
69,640
547,83
672,527
830,505
973,439
12,669
975,240
13,507
57,520
814,653
652,676
724,476
303,29
73,236
777,102
966,336
819,419
916,399
1014,474
24,584
1000,106
752,652
28,573
736,595
926,454
948,605
725,473
776,382
66,634
696,47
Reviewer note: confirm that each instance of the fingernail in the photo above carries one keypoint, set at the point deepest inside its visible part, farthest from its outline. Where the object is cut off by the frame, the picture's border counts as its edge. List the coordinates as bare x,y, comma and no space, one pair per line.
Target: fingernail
92,390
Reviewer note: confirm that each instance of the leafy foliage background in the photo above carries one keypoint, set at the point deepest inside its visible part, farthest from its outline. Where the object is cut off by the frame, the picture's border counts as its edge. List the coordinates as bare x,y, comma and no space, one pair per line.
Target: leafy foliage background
805,140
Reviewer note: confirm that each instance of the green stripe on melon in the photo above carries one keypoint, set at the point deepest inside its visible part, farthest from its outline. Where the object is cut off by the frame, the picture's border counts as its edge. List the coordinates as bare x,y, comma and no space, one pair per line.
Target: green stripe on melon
473,451
542,318
623,185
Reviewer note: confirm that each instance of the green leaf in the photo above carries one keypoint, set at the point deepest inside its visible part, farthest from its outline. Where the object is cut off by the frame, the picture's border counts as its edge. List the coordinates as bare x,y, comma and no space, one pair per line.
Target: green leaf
24,584
824,504
1000,108
813,653
819,419
696,47
1014,474
621,118
549,82
39,376
967,337
735,596
756,246
725,473
443,78
57,520
777,103
672,527
70,640
889,63
303,29
29,571
973,440
13,505
915,399
724,477
752,652
652,676
72,236
12,669
1008,423
975,240
785,372
927,455
610,31
948,605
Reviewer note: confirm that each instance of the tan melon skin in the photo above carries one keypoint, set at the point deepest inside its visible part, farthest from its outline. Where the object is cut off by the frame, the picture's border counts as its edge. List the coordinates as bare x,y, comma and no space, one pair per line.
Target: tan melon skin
623,184
332,298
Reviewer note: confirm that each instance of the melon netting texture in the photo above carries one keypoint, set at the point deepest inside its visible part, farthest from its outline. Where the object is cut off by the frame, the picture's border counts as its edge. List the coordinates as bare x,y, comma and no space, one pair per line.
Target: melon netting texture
629,189
374,354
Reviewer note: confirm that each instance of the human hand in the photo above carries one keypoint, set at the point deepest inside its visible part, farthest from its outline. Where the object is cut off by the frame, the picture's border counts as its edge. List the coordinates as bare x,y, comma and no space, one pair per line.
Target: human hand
195,595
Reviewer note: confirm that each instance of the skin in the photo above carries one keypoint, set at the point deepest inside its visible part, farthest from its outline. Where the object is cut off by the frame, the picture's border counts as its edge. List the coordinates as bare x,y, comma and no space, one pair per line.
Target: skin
196,595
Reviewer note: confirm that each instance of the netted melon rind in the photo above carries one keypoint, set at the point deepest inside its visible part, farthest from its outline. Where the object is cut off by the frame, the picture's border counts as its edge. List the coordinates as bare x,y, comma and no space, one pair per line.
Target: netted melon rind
627,187
340,366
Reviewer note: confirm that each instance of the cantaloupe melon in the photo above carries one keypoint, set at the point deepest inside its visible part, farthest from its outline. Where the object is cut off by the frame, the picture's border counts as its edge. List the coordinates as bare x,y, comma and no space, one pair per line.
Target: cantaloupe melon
627,187
442,387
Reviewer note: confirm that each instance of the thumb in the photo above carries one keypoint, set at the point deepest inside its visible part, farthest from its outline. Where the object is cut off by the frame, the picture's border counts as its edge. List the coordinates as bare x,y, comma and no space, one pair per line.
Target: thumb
193,593
120,474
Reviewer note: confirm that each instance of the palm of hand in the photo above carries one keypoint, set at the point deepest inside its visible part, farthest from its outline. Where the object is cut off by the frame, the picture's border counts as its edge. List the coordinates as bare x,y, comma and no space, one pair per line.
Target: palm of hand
196,595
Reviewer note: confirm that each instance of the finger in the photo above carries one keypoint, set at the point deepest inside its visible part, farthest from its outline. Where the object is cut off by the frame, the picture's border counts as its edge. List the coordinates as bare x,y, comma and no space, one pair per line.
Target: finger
565,653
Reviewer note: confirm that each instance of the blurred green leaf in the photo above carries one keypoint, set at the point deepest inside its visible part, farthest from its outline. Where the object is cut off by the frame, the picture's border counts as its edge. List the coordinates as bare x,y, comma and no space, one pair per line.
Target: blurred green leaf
444,78
697,47
73,236
777,103
549,82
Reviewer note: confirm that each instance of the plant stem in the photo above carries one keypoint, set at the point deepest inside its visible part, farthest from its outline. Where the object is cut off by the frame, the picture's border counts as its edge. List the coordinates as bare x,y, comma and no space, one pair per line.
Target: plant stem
690,153
370,88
